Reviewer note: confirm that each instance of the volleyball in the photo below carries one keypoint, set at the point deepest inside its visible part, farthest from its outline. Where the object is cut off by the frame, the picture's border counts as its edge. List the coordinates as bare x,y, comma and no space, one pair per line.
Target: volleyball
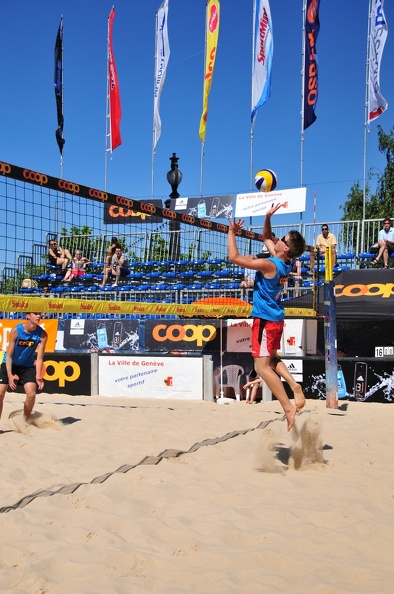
266,180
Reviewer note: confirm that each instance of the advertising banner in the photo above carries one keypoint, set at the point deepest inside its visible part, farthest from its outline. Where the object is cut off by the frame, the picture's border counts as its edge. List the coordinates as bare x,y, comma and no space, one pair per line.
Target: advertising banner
101,335
239,336
205,207
118,214
50,326
182,335
256,204
151,377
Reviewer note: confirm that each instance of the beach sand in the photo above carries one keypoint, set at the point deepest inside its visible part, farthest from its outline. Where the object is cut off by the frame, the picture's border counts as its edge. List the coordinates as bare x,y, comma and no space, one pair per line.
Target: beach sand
114,495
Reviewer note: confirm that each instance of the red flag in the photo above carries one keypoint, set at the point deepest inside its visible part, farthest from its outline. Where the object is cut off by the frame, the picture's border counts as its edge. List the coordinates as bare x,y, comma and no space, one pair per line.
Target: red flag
115,109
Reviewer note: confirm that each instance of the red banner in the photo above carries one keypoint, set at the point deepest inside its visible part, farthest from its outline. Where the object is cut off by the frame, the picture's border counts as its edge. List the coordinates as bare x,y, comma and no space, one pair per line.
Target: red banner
115,109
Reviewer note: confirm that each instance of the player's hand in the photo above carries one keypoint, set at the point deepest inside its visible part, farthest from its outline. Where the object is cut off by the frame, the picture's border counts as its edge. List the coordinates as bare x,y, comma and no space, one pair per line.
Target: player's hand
40,383
273,209
236,225
11,383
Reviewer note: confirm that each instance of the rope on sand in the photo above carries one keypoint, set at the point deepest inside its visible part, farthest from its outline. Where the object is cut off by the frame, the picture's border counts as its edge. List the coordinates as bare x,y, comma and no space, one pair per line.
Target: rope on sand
148,460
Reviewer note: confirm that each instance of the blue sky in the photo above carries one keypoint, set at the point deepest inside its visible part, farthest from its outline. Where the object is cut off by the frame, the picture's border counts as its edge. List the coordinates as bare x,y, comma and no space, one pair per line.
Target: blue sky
333,146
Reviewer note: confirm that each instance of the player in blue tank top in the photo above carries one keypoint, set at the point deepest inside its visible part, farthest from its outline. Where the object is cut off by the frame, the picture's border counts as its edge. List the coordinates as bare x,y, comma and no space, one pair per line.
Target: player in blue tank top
268,311
20,360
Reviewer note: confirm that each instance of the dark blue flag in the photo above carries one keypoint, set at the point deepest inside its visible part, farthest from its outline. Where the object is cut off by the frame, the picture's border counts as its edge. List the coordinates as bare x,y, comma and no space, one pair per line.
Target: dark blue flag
59,86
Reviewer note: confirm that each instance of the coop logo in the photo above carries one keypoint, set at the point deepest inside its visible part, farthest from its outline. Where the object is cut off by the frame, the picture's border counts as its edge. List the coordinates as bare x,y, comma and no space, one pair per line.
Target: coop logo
103,196
168,214
188,219
124,201
205,223
373,290
249,234
4,168
26,343
150,208
68,186
62,372
221,227
187,333
34,176
119,211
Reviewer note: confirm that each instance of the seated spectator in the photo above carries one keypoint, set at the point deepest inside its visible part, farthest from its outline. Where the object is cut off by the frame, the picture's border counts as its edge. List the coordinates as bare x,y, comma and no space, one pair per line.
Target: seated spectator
57,255
79,264
248,280
119,267
108,258
385,243
325,240
295,278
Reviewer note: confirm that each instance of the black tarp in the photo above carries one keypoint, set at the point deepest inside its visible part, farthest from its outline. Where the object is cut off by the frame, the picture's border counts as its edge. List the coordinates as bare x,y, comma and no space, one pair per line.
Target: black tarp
361,294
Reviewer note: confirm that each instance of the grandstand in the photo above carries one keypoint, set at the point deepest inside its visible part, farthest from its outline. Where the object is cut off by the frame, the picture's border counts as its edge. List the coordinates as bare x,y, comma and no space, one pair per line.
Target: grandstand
174,258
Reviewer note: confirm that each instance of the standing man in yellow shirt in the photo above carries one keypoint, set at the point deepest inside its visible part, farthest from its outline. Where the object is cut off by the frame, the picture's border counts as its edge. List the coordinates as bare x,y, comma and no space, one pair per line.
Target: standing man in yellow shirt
324,240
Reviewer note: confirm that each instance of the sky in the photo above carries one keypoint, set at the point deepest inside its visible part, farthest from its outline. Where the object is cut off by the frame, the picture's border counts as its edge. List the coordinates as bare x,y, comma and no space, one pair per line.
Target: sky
333,147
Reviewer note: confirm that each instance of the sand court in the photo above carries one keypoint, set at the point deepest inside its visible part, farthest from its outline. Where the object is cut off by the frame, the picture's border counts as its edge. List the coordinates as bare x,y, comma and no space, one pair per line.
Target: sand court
171,496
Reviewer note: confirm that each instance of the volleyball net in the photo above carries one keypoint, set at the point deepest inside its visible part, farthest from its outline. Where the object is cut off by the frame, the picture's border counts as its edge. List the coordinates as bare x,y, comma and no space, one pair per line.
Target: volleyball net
178,263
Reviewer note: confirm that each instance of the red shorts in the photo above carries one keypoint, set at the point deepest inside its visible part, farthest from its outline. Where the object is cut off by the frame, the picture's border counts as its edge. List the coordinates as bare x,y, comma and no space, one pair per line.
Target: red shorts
266,336
77,272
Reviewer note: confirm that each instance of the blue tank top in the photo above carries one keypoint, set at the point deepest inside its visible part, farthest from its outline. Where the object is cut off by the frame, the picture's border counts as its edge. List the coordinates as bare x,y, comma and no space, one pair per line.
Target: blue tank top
25,346
267,292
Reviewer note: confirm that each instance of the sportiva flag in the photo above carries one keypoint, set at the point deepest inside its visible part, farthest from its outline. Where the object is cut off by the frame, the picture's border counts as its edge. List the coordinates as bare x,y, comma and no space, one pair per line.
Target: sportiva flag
162,57
312,27
58,79
378,35
211,42
115,110
263,49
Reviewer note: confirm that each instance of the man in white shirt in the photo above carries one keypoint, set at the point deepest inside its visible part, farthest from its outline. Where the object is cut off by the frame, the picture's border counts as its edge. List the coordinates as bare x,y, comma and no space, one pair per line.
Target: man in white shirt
386,243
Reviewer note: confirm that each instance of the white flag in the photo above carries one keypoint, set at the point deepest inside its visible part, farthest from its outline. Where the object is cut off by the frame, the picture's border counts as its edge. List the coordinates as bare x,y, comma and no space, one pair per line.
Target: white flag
263,49
162,57
378,34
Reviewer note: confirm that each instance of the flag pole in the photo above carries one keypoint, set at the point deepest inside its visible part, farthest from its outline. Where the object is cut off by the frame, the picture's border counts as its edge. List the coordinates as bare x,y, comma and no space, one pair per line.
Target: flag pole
201,166
153,116
302,99
107,116
366,121
252,118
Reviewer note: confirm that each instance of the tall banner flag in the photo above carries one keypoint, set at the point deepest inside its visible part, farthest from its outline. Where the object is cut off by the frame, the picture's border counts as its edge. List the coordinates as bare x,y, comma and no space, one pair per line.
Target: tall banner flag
263,50
162,57
378,35
58,79
311,85
211,42
115,109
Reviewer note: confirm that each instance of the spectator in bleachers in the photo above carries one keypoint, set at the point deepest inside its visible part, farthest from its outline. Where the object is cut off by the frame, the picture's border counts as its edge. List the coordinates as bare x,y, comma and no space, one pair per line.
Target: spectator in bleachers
57,255
119,267
385,243
79,263
108,258
295,279
325,240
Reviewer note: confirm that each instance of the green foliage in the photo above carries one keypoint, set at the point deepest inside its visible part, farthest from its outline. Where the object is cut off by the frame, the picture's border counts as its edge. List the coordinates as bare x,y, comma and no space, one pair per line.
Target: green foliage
380,204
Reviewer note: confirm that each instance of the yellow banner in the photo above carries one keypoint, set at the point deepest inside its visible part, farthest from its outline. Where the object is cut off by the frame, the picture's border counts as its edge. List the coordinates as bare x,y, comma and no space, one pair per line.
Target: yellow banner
211,41
27,304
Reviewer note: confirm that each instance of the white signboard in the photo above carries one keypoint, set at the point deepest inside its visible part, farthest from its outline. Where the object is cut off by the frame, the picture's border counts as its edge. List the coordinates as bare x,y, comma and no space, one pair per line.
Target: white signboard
239,336
256,204
151,377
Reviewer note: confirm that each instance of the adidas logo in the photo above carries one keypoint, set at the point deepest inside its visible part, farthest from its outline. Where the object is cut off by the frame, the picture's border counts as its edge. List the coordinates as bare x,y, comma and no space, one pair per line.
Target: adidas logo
292,367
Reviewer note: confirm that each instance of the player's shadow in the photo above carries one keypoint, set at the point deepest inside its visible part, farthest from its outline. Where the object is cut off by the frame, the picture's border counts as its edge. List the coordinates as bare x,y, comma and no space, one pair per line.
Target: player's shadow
69,420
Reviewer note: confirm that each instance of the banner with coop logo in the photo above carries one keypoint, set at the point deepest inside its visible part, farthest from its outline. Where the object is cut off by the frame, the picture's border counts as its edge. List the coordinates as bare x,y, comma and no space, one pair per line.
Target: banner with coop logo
151,377
256,204
182,335
50,326
122,213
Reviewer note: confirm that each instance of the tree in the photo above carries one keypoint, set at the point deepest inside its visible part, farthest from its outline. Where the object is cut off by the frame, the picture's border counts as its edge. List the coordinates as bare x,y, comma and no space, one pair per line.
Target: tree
380,204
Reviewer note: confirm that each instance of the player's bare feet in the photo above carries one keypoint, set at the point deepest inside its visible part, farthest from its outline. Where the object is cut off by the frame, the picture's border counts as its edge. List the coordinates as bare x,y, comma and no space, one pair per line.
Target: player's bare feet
299,398
290,416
